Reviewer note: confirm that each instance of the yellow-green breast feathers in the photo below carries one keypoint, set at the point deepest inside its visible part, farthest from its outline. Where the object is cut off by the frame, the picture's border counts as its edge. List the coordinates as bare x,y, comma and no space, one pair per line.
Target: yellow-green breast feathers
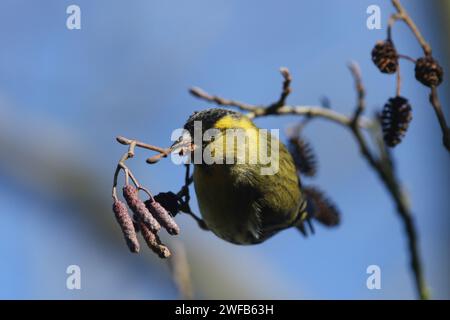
237,201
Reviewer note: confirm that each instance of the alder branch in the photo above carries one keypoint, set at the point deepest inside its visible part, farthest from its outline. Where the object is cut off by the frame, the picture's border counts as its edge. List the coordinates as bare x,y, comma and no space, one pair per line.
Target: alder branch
146,213
255,111
437,107
402,15
391,182
356,124
379,158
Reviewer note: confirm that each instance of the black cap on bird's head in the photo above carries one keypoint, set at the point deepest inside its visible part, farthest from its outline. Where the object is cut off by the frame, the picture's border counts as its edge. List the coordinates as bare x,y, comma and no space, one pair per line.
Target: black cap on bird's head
208,118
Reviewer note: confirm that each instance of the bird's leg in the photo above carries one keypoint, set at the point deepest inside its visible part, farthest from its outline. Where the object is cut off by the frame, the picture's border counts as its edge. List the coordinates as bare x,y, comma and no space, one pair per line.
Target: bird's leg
310,225
184,197
201,223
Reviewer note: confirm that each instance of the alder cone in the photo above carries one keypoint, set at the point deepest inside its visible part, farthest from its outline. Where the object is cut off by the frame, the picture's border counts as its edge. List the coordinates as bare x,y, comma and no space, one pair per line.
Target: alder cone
429,72
395,119
304,158
385,57
324,210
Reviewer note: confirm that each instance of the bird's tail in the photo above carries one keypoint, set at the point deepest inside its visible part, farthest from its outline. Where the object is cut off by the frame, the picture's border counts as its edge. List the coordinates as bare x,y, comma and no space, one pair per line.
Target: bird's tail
318,207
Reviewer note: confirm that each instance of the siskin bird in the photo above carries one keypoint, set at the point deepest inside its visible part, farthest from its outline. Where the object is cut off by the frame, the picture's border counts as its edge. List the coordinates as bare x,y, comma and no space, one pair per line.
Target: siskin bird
238,202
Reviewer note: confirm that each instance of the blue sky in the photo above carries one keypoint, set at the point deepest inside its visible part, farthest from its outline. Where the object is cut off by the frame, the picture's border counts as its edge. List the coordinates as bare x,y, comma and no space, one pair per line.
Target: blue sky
127,71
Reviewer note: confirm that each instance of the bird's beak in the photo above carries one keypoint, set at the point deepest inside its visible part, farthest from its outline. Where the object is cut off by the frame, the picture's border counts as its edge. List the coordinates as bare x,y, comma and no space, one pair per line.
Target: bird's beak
183,145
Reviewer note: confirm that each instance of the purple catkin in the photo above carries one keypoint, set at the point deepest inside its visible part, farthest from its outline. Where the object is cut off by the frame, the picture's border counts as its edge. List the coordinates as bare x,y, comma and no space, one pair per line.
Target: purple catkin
126,224
138,207
163,217
154,243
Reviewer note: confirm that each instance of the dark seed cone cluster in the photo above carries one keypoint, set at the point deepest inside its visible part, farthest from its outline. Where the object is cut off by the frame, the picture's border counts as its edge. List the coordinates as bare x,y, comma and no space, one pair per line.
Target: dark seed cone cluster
131,195
162,216
321,207
428,71
169,201
303,155
126,224
385,57
395,119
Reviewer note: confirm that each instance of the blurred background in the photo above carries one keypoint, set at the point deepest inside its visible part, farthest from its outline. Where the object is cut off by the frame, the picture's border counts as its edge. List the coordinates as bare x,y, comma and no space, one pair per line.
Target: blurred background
66,94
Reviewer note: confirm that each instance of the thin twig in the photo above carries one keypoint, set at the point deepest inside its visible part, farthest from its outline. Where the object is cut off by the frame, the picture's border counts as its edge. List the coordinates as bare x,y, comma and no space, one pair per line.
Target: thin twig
403,15
437,107
392,19
199,93
126,141
132,144
361,105
398,83
391,182
260,111
286,90
406,57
